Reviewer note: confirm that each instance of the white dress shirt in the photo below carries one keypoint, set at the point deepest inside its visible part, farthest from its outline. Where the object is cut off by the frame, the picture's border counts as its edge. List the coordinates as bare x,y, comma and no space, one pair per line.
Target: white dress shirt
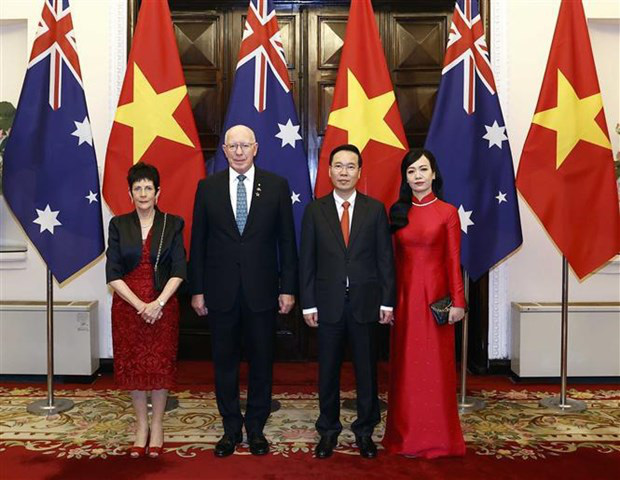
340,209
233,181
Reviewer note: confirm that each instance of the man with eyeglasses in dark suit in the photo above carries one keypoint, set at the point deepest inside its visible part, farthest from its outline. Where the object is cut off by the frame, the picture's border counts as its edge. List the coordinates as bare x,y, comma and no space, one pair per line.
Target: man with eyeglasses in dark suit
242,271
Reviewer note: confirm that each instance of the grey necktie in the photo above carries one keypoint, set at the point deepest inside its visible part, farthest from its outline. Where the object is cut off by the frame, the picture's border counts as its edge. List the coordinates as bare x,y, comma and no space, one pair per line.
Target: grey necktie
242,204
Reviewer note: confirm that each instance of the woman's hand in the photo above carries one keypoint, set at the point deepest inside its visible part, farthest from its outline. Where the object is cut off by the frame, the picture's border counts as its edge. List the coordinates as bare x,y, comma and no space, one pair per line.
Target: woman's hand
139,305
152,312
456,314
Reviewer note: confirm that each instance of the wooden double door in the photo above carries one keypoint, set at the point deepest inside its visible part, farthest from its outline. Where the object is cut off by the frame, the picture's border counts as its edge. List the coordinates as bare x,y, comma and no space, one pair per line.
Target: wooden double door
208,33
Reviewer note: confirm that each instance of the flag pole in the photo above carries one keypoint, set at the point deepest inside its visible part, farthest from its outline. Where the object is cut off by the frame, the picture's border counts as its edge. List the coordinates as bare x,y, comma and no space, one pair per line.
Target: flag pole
562,404
50,406
465,403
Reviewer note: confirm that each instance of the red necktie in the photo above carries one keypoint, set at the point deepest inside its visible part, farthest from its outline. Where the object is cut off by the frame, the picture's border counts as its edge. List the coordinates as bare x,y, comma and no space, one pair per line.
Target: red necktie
344,222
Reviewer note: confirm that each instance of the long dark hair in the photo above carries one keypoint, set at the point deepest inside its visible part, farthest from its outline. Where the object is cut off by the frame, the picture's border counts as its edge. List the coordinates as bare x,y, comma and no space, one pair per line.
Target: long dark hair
400,209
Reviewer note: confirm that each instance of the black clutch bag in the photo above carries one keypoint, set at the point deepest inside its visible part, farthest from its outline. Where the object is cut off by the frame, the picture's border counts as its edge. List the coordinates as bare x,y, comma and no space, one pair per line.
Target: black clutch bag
440,309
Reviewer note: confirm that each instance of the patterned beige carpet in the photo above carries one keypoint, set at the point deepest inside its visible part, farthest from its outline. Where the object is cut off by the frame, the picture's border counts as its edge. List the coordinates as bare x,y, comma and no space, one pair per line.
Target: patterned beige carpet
101,423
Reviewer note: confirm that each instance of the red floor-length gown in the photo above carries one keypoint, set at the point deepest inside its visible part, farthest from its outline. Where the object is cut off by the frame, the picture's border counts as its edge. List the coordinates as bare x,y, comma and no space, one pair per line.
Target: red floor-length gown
423,418
144,354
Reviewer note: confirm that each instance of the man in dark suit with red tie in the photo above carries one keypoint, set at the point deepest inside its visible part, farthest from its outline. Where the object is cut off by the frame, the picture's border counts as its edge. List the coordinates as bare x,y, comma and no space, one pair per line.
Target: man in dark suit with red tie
347,287
242,270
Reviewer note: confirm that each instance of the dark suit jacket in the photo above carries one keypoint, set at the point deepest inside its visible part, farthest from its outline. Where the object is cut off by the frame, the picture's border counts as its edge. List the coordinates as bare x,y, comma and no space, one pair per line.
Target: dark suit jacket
262,262
325,262
125,245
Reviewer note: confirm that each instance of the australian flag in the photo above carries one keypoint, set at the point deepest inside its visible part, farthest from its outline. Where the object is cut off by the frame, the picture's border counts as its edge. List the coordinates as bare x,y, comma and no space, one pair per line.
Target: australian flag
468,138
50,177
261,99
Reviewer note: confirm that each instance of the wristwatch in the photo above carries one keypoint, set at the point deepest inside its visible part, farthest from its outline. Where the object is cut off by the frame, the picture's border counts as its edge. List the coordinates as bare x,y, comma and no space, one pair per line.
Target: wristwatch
161,303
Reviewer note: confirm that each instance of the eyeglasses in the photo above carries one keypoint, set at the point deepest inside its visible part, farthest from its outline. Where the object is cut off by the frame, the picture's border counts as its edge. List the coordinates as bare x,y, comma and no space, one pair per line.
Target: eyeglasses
244,146
339,167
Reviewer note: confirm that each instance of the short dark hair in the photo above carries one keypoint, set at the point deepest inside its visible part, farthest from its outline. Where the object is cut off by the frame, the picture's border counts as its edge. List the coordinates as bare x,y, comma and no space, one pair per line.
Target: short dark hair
347,147
143,171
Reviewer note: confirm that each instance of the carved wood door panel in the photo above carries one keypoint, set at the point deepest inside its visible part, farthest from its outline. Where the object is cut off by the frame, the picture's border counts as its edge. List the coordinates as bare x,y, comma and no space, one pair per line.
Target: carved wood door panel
209,32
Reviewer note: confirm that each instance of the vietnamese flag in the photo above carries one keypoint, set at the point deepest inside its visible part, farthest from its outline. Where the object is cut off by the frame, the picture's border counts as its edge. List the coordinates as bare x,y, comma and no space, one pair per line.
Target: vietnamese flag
566,171
364,111
154,121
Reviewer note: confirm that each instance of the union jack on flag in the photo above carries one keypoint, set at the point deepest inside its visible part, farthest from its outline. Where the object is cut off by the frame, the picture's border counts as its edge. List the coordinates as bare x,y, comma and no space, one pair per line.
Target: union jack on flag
50,176
261,99
469,140
55,39
466,45
263,44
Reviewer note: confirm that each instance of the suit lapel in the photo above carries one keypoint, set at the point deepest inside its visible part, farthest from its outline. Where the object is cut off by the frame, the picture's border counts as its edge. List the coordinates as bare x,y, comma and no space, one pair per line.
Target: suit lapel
328,207
359,216
224,188
256,195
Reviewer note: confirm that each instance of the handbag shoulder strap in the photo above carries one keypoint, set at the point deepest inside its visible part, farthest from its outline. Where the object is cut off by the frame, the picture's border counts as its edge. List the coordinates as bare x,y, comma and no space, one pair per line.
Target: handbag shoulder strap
161,241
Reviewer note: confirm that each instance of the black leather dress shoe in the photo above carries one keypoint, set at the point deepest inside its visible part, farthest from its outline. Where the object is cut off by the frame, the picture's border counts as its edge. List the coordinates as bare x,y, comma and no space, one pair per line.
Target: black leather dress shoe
326,445
226,445
258,444
367,447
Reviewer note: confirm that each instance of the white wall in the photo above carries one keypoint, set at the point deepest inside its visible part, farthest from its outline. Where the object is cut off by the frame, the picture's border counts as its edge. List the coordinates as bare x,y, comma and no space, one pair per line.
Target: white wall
523,34
13,59
100,29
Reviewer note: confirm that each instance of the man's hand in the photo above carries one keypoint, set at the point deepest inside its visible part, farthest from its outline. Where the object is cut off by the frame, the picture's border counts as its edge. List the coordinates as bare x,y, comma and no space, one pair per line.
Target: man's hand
386,317
286,302
198,304
456,314
312,319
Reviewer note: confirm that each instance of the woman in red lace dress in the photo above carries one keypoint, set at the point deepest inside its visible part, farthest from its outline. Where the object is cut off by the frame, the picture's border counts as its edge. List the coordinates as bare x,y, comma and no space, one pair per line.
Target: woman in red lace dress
423,418
145,321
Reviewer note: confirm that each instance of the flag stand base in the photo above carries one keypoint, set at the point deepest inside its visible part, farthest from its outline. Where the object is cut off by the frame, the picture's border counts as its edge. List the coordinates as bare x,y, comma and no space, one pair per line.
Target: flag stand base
50,405
469,404
561,403
568,406
43,407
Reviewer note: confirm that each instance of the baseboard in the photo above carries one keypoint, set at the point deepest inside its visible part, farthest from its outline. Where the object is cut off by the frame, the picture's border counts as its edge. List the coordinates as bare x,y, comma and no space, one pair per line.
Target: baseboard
81,379
106,365
556,380
499,366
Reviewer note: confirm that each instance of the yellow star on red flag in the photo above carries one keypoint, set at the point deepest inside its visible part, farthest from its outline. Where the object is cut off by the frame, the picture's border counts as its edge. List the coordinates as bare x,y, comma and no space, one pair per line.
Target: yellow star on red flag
364,111
151,114
364,117
566,172
154,122
573,119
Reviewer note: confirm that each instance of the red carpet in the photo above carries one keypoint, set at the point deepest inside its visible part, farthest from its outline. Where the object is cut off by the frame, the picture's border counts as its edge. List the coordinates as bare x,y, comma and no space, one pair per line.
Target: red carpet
583,465
562,460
